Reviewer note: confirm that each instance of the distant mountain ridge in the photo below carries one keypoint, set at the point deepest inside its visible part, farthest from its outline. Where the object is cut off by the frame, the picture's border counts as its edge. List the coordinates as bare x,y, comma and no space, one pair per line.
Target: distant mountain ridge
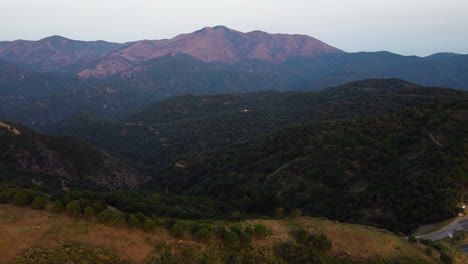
222,44
46,81
218,44
53,52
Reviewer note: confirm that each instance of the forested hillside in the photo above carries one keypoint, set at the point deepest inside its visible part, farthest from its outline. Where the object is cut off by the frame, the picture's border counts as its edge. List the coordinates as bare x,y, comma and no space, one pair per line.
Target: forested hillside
394,171
184,124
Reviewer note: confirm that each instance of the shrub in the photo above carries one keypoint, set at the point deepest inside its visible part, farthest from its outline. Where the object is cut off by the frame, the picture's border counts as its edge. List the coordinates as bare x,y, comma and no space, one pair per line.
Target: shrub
21,199
156,219
133,221
220,231
296,213
99,206
149,225
446,259
245,239
119,218
231,239
250,230
89,212
177,230
104,216
279,212
236,228
39,203
141,217
412,239
58,207
302,236
261,231
73,208
203,235
236,216
298,253
321,241
169,222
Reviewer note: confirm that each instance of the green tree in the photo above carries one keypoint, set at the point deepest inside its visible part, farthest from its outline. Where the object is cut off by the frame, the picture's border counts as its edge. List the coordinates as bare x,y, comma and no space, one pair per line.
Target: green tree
204,235
58,207
133,221
296,213
99,206
21,199
261,231
73,208
104,216
236,228
250,230
149,225
177,230
279,212
141,217
236,216
321,241
245,239
89,212
119,218
39,203
156,219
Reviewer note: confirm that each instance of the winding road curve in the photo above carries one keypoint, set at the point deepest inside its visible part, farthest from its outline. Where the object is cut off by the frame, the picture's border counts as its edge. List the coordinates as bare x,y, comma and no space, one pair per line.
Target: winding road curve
458,225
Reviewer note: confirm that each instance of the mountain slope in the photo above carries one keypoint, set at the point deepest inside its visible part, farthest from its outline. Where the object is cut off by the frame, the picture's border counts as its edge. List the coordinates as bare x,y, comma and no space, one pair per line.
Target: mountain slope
152,80
188,123
395,171
30,157
53,52
222,44
335,69
19,85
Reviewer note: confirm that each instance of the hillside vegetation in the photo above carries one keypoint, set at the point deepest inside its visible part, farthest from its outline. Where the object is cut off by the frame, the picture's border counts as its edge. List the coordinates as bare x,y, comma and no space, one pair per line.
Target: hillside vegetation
394,171
157,134
36,234
386,153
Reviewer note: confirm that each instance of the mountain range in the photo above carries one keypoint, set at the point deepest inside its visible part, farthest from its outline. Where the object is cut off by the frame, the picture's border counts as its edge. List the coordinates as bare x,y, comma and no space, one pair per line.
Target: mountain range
211,134
46,81
217,44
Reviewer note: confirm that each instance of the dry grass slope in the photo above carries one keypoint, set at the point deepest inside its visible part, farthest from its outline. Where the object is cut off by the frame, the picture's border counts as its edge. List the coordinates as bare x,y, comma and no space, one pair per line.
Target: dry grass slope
23,228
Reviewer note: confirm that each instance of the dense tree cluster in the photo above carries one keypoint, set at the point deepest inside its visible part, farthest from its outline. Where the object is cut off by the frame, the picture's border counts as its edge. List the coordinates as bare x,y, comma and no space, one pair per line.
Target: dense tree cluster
394,171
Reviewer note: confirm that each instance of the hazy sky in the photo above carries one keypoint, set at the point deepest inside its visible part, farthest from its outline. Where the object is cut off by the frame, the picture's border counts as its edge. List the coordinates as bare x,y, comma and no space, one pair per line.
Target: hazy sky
419,27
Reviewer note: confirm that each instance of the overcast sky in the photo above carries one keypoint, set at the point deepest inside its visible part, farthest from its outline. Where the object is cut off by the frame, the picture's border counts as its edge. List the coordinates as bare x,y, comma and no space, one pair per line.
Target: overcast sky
410,27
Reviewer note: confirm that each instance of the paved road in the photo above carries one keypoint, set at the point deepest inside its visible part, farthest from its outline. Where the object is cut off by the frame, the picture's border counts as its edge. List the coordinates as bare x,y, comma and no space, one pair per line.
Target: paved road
459,225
